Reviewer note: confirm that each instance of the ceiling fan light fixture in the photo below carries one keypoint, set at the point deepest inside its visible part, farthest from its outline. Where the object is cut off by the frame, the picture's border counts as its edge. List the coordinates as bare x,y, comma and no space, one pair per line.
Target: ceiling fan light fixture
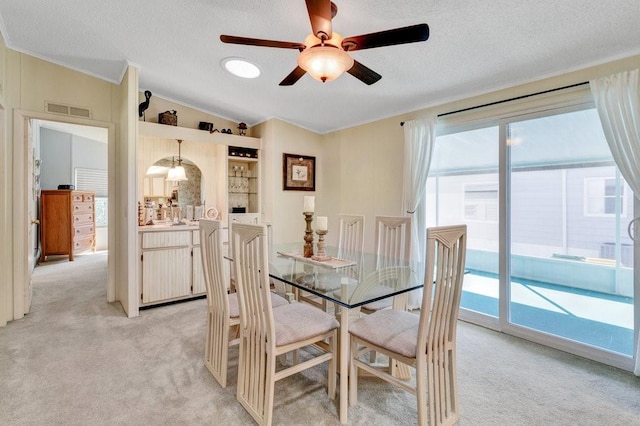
240,67
325,63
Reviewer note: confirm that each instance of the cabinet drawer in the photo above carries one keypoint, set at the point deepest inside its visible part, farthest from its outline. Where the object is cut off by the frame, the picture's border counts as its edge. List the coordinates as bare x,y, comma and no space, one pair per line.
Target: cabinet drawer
82,231
83,208
79,219
83,198
83,243
165,239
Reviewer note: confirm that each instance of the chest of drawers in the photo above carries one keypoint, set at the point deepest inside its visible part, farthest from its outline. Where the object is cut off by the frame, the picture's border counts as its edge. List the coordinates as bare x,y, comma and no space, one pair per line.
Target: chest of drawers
67,222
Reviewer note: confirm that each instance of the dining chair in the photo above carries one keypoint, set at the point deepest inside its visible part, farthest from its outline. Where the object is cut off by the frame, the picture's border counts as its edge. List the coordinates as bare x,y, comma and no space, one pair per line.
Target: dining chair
427,342
351,237
267,332
392,248
350,246
223,312
381,282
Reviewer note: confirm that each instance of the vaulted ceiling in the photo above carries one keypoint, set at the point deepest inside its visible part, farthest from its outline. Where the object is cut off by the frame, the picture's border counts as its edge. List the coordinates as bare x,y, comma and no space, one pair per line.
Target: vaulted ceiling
475,46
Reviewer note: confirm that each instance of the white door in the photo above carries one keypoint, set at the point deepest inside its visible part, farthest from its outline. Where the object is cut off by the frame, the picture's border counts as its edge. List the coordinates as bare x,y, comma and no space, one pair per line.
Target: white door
33,191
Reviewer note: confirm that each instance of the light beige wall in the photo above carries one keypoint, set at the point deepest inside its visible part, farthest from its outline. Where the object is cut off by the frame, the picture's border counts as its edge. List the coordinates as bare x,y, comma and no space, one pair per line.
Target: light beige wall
187,117
46,82
27,84
550,83
9,82
365,162
124,259
283,209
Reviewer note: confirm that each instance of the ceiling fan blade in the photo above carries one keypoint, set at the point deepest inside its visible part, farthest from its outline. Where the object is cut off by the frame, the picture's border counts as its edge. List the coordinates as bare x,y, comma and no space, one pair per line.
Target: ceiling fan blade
261,42
364,74
402,35
320,17
294,76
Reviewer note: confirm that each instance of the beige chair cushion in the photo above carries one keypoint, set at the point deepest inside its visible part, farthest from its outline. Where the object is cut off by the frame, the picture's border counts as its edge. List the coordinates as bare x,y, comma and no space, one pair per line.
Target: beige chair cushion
297,321
379,305
385,303
277,300
396,331
234,308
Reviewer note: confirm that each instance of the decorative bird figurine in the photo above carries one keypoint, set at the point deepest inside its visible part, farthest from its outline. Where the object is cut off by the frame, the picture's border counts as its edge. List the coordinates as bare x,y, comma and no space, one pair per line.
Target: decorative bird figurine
144,105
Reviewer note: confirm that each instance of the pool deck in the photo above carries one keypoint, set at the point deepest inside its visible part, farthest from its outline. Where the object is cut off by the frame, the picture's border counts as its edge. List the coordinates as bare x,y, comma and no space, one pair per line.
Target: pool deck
589,317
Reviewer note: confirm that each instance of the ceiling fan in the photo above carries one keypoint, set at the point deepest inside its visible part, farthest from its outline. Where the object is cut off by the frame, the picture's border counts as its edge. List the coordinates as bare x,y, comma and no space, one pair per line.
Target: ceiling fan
324,53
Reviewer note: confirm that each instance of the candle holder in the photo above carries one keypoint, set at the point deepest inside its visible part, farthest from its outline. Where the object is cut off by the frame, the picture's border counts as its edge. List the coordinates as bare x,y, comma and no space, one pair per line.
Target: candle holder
321,256
308,235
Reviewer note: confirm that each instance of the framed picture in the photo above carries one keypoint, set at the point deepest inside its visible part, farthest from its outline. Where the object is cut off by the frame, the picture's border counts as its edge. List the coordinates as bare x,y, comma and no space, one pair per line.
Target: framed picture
298,172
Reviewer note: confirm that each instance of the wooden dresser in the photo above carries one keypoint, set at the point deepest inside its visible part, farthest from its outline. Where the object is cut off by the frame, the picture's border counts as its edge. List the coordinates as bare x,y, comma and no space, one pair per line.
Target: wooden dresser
67,222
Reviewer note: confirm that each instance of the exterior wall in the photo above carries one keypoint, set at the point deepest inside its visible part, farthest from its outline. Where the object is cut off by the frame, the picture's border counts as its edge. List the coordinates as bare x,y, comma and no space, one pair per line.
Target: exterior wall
589,232
537,198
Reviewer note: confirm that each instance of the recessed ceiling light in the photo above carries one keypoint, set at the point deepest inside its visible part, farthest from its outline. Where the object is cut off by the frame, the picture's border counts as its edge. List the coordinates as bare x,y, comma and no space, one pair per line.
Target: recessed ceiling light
240,67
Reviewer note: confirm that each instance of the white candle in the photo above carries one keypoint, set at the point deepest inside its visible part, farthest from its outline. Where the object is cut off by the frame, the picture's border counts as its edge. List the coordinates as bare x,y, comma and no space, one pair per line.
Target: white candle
309,204
321,223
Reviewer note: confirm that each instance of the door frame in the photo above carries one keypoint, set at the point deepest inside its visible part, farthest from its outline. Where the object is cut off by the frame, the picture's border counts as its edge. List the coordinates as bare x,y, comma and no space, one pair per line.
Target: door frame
21,271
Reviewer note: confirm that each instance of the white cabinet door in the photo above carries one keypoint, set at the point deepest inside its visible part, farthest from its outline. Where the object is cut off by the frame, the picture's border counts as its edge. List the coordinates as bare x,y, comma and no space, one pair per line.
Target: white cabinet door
166,274
155,187
198,274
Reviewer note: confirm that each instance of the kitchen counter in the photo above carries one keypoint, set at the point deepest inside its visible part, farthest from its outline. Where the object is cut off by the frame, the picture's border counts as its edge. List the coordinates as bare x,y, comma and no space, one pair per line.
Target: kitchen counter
169,226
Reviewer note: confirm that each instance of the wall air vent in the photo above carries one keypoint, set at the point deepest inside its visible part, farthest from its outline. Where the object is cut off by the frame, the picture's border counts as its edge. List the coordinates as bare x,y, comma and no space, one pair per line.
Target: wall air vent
80,112
63,109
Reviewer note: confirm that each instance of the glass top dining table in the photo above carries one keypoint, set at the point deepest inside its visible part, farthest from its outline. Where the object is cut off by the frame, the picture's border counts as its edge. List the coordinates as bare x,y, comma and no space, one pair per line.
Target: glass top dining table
348,283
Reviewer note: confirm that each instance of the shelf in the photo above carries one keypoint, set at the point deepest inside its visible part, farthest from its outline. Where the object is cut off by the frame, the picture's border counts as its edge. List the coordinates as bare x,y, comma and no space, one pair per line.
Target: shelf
146,128
242,159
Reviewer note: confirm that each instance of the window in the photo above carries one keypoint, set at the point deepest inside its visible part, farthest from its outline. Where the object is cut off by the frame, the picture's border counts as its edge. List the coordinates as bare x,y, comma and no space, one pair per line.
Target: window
481,202
94,180
600,197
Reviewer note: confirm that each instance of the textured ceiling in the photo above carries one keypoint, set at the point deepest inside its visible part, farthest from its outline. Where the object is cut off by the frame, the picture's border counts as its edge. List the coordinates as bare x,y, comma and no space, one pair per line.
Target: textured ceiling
475,46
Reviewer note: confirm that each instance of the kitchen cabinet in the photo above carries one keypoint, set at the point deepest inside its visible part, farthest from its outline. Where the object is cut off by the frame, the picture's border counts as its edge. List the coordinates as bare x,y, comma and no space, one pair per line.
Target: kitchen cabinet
156,187
170,264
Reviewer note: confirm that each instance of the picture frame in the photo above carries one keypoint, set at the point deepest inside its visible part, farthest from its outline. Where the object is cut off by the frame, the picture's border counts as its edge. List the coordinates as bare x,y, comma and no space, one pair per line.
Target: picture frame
298,172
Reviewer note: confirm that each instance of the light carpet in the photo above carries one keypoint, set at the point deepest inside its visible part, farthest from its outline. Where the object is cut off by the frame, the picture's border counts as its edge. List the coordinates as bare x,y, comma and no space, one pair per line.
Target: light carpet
77,360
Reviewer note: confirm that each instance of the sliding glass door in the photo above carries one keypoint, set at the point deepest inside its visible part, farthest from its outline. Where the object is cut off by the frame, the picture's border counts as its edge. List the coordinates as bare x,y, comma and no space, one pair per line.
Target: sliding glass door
463,188
548,255
570,258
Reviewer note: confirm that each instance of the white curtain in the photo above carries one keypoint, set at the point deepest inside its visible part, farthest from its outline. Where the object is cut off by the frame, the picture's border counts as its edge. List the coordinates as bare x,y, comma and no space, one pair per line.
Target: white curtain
419,138
618,103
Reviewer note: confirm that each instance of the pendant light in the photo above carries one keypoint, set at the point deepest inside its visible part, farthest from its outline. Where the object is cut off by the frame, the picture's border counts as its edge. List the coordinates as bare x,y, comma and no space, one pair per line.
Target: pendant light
176,173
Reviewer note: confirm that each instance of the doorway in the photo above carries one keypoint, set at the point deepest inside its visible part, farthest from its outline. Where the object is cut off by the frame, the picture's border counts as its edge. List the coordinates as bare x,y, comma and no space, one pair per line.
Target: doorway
33,177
